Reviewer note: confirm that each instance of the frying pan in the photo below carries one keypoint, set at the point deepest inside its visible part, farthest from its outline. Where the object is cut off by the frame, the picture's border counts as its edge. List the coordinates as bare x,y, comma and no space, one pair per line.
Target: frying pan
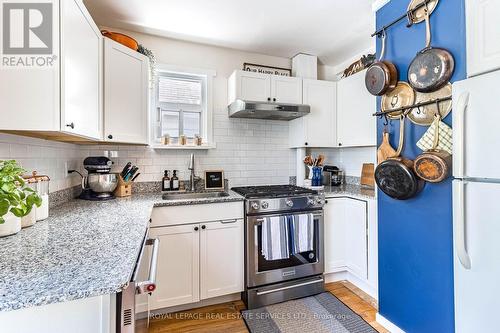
382,75
433,67
433,165
395,176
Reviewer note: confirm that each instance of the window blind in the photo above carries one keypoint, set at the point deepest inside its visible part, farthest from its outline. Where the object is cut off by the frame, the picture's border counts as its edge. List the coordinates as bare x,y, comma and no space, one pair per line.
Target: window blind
179,90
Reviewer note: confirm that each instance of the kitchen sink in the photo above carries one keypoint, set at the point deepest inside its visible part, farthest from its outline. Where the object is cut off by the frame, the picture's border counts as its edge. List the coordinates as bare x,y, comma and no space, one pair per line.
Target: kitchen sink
199,195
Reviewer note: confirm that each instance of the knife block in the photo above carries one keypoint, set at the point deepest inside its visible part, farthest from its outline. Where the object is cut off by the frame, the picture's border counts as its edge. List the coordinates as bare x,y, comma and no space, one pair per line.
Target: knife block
123,189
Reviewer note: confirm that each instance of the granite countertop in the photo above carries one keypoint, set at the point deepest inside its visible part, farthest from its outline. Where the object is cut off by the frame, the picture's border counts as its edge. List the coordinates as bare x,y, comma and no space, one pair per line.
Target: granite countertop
350,190
84,249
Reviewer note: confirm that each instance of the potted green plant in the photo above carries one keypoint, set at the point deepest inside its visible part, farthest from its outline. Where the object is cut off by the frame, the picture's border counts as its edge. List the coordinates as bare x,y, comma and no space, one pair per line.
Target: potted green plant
16,199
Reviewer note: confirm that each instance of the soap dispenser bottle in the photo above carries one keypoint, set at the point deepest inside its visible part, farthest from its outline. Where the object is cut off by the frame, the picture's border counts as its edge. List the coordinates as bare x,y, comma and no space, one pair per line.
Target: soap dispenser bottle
165,184
174,182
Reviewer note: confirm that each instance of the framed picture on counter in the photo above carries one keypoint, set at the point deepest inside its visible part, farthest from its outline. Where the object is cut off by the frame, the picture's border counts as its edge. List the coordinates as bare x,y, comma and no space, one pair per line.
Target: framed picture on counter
214,180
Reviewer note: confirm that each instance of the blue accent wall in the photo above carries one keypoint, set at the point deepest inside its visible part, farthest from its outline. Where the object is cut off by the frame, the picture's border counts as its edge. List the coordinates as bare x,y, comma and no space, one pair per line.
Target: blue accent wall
415,236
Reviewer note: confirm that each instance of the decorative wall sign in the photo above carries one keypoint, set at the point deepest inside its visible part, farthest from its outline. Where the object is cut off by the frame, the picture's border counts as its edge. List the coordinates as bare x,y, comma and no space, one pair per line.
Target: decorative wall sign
214,180
263,69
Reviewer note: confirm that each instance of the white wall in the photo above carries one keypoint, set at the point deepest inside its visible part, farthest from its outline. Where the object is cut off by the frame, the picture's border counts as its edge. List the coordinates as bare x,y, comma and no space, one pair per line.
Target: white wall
249,151
46,157
348,159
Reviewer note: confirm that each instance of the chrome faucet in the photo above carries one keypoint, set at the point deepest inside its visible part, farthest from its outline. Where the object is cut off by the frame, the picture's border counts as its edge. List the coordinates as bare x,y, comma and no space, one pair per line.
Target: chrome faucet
192,176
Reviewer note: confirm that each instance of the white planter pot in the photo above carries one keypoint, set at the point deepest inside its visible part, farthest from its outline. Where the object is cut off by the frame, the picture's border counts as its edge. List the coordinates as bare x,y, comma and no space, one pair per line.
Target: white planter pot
29,220
11,226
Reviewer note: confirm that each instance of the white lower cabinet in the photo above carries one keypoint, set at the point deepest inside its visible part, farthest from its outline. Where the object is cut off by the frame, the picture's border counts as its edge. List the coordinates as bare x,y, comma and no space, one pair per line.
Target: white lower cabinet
178,272
221,258
351,239
196,261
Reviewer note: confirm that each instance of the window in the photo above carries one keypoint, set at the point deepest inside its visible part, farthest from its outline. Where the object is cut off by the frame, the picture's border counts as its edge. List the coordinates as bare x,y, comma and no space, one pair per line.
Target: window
182,104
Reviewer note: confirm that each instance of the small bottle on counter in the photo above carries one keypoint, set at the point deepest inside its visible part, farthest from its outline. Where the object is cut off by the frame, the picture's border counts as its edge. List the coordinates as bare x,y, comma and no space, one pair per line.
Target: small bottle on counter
165,185
174,182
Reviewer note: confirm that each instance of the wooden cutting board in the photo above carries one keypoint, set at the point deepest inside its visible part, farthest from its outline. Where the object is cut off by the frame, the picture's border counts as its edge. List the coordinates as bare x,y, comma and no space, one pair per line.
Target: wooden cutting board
385,149
368,174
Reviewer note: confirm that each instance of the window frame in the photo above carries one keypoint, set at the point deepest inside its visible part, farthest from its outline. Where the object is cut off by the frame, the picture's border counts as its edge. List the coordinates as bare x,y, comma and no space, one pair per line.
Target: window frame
206,130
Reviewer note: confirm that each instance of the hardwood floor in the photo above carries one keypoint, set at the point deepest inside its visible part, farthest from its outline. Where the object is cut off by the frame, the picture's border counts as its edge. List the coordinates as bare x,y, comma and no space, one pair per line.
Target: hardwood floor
226,317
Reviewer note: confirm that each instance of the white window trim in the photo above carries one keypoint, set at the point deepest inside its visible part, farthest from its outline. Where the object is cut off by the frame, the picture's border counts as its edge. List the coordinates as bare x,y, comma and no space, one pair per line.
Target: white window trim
207,119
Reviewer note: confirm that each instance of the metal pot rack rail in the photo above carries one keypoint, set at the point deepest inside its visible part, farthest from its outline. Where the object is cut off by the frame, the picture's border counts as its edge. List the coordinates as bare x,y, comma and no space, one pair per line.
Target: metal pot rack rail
407,109
409,15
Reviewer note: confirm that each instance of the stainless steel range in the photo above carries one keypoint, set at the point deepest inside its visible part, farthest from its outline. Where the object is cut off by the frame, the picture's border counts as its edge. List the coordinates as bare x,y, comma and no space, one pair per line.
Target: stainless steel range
294,275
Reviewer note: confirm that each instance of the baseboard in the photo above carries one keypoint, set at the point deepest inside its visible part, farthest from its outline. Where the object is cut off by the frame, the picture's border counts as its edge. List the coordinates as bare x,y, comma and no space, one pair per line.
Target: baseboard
387,324
349,276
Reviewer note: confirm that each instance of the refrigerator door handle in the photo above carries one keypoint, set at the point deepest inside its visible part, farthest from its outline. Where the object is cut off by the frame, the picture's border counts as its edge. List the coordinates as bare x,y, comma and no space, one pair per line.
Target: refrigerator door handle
459,144
460,223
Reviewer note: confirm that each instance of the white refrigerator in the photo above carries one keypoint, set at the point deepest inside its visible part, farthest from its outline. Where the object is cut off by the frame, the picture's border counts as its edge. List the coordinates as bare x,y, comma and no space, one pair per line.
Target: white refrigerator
476,203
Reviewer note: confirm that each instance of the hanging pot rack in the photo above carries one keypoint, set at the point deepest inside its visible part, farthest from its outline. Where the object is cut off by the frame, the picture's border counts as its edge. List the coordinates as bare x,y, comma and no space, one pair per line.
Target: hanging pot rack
407,109
409,15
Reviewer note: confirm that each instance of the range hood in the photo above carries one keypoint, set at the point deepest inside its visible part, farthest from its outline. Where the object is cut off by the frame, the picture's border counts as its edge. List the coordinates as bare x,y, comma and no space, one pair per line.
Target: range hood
272,111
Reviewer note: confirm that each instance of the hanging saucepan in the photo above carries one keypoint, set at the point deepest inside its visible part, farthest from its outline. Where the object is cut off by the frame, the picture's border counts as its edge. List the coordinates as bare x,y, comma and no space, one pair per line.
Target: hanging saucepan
433,165
402,95
382,75
432,68
395,176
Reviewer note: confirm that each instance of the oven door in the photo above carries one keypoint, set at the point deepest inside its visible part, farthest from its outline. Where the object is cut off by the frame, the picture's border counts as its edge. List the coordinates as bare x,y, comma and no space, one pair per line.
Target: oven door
125,300
260,271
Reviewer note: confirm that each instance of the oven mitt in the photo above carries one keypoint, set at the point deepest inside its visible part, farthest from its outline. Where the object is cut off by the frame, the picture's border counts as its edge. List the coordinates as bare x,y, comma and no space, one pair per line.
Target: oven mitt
445,138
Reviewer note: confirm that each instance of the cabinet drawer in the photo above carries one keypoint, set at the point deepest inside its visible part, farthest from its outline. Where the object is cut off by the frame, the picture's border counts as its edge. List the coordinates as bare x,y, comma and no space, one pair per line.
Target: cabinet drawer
175,215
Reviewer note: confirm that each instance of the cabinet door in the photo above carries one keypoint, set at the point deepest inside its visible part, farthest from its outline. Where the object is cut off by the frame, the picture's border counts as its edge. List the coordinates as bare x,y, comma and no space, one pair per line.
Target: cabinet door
320,128
356,237
286,89
483,34
177,273
355,105
252,86
81,71
221,258
126,86
335,235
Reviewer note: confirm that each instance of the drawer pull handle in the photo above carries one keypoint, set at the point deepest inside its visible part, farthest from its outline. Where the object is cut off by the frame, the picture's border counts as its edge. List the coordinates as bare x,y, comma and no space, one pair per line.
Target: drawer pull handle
228,221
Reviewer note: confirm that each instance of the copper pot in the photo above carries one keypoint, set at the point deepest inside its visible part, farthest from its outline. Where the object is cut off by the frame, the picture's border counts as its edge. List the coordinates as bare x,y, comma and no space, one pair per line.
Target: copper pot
382,76
122,39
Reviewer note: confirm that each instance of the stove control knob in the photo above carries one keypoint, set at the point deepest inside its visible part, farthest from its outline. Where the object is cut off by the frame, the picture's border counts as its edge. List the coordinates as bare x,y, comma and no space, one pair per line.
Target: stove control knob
289,203
254,205
319,201
310,202
265,205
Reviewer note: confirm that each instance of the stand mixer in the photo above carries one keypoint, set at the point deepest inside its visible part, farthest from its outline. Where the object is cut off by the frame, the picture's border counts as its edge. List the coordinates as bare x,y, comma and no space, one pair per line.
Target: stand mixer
100,183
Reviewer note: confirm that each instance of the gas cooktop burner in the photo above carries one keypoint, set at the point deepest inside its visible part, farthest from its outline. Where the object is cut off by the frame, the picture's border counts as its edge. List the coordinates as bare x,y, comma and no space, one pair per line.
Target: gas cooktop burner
272,191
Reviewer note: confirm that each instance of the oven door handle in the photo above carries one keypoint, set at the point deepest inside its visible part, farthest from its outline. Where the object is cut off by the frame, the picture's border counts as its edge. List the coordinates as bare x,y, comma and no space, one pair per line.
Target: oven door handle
149,285
265,292
260,220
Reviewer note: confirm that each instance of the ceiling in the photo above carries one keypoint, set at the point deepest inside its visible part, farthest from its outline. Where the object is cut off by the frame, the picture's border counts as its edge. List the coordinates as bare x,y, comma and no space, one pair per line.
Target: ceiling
331,29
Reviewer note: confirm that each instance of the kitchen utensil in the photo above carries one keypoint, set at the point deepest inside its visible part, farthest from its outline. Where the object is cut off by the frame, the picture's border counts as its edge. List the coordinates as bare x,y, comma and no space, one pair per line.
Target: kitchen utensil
135,177
308,160
445,138
368,174
402,95
321,160
433,165
385,149
418,15
433,67
122,39
395,176
424,115
123,188
131,173
126,168
382,75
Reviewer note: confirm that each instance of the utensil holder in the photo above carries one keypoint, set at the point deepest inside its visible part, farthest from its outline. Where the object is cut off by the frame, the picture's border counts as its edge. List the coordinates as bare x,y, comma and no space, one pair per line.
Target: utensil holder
124,189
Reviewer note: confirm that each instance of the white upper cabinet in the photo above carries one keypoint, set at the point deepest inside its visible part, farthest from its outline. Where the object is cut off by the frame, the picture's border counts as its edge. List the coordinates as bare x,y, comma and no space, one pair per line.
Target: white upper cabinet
258,87
81,71
483,36
64,97
355,105
286,89
317,129
126,87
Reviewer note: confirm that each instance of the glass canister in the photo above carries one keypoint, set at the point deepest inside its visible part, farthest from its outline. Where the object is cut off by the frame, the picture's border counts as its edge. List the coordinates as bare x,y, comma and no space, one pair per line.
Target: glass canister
40,183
